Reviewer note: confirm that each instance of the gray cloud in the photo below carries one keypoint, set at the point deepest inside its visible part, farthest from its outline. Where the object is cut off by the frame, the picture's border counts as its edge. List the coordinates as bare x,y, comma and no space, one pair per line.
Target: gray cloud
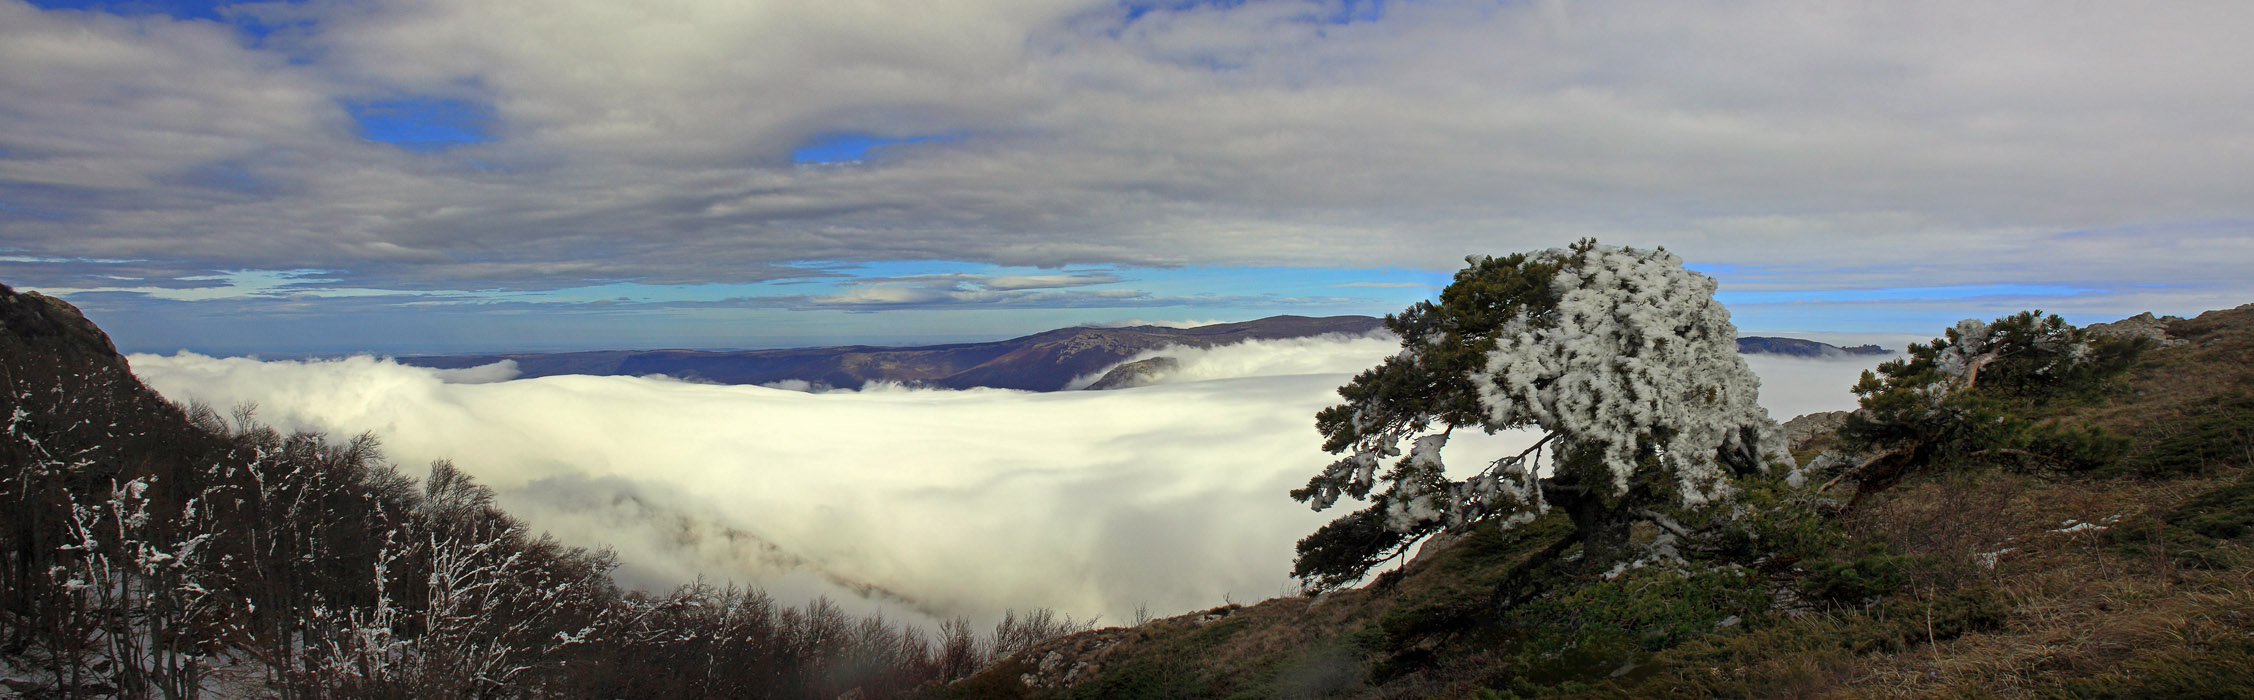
949,290
1018,282
1908,143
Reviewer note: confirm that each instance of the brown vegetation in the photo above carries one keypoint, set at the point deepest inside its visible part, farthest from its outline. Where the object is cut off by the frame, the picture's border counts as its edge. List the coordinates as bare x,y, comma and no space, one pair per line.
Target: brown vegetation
1984,579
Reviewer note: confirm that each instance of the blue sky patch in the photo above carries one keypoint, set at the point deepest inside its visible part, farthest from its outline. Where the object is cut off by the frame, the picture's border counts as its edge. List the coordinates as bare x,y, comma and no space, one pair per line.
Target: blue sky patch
179,9
1351,11
1136,10
15,209
1973,291
208,10
851,147
422,123
1330,12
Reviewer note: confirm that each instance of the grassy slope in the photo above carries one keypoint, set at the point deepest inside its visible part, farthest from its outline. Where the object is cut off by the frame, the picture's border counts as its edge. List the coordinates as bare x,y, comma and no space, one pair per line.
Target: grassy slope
1893,599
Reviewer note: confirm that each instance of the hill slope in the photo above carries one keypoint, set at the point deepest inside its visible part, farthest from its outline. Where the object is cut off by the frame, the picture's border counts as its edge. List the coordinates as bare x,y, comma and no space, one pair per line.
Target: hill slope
148,550
1976,579
1040,362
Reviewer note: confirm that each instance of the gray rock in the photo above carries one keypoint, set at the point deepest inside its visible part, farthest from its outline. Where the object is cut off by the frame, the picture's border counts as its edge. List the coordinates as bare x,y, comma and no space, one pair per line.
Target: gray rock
1438,541
2143,325
1799,431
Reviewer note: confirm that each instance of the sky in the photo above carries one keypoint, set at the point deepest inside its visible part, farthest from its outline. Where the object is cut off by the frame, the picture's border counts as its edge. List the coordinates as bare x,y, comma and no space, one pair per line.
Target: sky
432,176
920,504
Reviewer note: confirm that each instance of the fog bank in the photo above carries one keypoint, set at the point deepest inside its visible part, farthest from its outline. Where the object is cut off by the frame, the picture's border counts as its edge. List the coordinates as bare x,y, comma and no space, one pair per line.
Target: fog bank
946,502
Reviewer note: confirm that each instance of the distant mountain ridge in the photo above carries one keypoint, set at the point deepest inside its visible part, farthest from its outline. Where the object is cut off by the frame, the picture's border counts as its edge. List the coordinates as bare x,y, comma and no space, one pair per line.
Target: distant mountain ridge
1763,345
1047,361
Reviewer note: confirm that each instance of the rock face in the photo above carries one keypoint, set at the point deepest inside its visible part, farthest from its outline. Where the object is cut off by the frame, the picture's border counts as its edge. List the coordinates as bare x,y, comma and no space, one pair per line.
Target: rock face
1040,362
1432,545
1067,661
1137,373
2143,325
1801,429
66,384
31,319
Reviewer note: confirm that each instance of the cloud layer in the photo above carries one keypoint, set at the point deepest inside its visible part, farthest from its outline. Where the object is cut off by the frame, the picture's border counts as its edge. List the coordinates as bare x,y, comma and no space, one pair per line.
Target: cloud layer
946,502
1813,145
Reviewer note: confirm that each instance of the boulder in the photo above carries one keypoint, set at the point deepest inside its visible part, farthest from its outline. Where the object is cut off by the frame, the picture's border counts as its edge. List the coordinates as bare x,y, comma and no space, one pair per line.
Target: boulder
1802,429
2143,325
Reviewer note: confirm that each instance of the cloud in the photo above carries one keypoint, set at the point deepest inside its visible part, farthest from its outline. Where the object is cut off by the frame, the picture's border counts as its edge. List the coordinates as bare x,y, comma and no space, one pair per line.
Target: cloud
1793,386
502,371
902,296
1017,282
1386,285
1132,322
1061,291
964,289
1911,143
949,502
1317,355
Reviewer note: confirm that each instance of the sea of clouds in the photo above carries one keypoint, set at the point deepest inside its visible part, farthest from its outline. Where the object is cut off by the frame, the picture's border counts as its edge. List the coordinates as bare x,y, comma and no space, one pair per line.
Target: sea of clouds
1170,497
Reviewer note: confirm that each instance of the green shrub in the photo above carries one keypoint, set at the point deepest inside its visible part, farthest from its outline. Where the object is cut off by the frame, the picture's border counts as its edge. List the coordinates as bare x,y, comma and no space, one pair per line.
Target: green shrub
1982,393
1571,658
1657,606
2216,434
997,683
2211,531
1734,662
1856,581
1167,671
2216,668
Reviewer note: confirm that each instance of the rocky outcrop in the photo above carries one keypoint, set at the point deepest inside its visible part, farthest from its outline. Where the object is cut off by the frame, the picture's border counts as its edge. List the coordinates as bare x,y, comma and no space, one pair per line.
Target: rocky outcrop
31,320
1137,373
1799,431
1432,545
1069,660
2143,325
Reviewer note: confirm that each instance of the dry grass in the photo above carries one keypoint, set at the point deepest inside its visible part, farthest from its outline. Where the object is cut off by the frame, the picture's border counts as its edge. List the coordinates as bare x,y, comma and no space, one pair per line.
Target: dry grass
2090,628
2078,608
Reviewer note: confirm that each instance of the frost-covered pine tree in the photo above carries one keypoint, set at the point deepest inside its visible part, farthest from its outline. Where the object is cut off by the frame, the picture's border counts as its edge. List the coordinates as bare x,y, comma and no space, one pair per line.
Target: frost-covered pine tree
1620,359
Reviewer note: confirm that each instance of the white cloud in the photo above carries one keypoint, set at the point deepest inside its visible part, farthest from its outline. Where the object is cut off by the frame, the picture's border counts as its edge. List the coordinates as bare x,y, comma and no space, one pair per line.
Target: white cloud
1177,323
1319,355
1926,142
502,371
1792,386
947,501
1015,282
965,501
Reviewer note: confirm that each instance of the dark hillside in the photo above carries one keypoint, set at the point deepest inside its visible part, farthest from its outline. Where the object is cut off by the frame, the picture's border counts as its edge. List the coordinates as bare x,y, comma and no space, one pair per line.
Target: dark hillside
78,423
148,550
1985,574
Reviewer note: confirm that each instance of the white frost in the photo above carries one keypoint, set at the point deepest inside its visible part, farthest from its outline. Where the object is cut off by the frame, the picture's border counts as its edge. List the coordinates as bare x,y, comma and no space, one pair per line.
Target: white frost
1637,358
